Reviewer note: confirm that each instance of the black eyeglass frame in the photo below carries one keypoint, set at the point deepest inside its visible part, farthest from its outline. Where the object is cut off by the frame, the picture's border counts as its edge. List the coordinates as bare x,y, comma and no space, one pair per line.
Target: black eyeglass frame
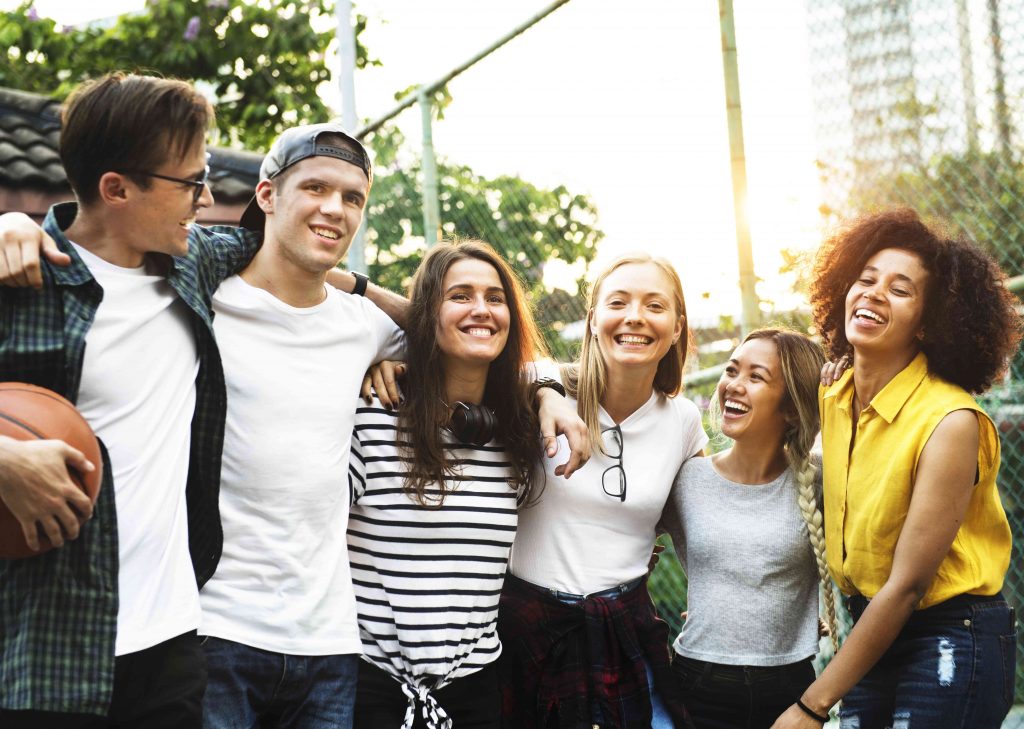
198,183
621,495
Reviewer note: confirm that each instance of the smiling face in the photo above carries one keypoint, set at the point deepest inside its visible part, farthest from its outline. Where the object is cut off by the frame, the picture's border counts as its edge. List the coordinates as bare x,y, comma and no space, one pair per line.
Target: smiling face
473,318
634,318
752,392
313,211
166,210
885,305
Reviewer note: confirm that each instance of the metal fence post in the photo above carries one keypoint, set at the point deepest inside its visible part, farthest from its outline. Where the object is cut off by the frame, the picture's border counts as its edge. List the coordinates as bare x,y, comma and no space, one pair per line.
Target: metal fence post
734,112
347,83
431,209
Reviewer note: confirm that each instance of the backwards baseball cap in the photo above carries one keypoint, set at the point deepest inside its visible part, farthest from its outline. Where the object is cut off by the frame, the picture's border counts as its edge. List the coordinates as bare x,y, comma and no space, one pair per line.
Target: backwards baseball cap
297,144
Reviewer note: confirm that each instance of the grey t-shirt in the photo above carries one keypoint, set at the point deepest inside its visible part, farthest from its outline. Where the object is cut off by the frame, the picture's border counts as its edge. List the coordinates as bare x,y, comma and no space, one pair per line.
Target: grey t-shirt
752,591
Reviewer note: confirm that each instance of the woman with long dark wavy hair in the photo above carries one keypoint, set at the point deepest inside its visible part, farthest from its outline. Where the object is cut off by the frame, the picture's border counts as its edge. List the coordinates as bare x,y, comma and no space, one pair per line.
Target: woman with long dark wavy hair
436,487
915,532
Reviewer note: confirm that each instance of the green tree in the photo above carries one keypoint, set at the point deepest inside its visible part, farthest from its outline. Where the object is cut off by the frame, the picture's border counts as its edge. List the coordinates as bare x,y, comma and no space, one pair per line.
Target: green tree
530,225
263,61
978,194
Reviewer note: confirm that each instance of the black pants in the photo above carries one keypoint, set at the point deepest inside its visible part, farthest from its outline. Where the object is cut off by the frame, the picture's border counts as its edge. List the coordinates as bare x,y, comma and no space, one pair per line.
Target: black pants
472,702
156,688
739,697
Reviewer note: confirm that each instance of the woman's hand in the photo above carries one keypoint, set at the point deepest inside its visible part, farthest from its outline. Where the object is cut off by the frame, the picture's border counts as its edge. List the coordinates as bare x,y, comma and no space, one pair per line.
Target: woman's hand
558,416
795,718
832,371
383,377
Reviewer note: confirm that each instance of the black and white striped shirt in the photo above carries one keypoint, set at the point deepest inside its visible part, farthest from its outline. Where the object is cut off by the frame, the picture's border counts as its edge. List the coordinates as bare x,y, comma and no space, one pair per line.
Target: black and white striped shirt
427,580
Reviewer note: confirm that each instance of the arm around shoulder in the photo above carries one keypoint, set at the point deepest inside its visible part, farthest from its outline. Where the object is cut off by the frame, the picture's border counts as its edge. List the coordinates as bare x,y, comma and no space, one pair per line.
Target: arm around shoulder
394,305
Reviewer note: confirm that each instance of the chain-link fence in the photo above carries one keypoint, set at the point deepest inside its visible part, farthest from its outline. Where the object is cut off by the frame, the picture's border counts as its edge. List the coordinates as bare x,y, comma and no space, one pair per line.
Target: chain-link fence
918,102
921,103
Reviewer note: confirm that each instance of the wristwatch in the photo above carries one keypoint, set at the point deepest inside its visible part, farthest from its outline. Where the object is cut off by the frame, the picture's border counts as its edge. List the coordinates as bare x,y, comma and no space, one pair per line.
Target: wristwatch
548,382
361,280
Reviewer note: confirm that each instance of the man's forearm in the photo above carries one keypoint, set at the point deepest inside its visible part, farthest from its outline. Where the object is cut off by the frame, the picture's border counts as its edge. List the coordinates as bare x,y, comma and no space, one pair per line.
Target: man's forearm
394,305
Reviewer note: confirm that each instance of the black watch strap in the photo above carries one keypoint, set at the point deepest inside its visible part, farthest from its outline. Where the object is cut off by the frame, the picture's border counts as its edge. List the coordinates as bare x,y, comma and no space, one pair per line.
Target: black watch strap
548,382
361,280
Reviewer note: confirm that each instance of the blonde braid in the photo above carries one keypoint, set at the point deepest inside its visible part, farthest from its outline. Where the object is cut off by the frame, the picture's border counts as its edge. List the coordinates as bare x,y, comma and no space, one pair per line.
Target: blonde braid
808,501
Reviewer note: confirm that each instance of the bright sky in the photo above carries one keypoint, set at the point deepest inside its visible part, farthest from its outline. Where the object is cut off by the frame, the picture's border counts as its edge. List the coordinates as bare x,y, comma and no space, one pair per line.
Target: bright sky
624,102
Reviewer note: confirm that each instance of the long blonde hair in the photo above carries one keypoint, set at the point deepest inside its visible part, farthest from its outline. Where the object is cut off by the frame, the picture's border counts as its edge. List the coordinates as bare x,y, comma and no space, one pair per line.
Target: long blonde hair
800,360
586,379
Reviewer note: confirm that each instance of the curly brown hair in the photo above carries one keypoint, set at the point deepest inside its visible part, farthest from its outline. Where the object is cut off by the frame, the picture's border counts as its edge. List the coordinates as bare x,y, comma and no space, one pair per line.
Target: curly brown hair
970,325
508,391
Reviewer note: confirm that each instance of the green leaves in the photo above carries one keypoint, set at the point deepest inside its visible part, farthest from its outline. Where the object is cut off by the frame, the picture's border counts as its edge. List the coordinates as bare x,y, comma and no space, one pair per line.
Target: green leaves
528,224
264,61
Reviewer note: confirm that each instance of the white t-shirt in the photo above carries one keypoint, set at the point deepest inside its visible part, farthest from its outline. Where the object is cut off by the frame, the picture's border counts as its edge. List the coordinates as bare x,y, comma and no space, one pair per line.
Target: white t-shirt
138,392
293,375
577,538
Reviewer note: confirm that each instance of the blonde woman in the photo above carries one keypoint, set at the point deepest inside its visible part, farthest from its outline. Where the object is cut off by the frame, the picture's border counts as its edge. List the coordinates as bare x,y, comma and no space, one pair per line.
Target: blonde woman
747,527
582,643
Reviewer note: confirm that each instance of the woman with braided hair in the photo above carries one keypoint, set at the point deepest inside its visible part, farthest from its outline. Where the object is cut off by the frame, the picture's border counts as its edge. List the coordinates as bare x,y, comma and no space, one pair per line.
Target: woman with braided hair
747,527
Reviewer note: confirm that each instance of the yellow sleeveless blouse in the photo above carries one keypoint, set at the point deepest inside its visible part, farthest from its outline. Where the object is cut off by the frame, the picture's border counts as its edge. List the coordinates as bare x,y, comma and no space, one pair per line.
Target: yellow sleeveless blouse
867,491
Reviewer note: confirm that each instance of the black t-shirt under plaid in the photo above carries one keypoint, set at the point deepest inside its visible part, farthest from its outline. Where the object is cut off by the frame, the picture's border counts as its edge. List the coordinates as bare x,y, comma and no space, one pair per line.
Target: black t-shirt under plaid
427,580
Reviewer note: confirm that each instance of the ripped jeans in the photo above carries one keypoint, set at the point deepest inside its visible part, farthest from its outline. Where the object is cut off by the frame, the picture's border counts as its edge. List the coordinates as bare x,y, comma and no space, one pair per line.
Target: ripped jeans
951,667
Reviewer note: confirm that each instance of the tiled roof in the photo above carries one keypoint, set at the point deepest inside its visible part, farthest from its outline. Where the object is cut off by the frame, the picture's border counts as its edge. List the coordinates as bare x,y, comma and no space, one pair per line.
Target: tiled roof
29,133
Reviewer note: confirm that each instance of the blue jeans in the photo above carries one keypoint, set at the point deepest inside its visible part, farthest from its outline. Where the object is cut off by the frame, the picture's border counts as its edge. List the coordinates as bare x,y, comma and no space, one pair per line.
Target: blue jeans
249,688
951,667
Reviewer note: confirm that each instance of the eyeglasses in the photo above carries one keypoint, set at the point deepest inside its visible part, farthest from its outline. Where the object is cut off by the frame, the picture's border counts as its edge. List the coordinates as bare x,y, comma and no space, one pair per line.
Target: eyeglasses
198,183
614,476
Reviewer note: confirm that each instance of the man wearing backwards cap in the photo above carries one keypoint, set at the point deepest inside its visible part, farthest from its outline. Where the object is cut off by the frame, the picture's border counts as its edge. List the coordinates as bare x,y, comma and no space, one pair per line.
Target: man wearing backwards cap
279,621
279,614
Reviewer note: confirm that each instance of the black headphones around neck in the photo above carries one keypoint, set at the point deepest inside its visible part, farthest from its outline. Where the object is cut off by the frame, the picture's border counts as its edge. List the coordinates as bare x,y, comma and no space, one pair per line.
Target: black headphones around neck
471,423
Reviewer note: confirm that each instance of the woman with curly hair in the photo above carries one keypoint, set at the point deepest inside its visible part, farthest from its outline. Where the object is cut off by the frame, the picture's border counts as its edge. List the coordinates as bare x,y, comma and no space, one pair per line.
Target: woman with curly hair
915,532
748,530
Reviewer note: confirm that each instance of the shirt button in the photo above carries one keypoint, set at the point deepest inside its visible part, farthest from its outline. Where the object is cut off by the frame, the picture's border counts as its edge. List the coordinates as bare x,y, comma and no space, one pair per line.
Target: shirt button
967,623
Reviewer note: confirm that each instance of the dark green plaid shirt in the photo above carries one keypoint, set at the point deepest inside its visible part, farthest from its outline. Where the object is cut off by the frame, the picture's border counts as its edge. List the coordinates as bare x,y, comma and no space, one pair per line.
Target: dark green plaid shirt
58,611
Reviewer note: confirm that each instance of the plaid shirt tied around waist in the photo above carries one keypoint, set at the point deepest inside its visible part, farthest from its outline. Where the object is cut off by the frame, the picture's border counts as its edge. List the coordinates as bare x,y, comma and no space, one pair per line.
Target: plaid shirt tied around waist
58,611
568,661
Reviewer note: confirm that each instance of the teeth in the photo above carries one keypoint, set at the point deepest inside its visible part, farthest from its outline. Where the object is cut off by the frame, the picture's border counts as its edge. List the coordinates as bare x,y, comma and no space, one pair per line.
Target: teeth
478,332
870,315
733,405
326,233
187,223
633,339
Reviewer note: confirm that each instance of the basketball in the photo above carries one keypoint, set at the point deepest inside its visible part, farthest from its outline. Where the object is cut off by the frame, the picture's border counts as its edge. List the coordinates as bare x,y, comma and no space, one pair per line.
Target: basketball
28,412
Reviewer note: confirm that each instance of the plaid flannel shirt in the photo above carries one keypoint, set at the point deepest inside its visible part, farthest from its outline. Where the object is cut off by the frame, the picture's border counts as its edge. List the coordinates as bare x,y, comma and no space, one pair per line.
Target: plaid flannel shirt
58,611
583,666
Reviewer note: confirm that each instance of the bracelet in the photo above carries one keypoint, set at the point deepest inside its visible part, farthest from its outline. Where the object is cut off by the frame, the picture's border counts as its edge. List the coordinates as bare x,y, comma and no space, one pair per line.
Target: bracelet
550,383
361,280
814,715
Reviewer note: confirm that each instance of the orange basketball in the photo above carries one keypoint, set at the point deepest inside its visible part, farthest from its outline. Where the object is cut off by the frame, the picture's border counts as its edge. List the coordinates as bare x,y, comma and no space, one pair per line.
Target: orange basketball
28,412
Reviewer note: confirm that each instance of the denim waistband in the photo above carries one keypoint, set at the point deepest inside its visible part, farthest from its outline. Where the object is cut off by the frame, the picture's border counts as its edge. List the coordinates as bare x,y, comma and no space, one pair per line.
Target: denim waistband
951,609
570,598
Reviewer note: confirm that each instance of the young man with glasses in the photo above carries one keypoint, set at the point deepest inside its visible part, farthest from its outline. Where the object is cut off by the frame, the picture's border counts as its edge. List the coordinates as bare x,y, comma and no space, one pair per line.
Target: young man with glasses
101,631
279,623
